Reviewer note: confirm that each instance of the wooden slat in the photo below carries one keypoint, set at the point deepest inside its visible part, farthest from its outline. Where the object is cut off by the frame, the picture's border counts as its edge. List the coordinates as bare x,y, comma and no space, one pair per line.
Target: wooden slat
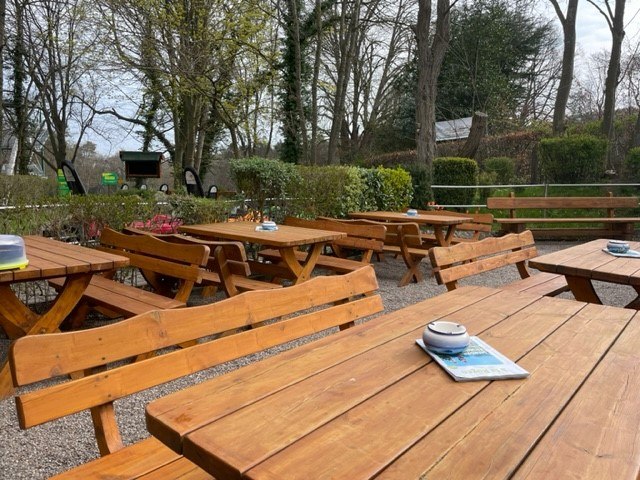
506,419
359,408
561,202
184,412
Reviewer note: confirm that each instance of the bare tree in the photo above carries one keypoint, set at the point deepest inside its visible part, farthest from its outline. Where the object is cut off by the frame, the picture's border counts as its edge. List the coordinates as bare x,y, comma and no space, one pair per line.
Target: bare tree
430,59
615,20
568,22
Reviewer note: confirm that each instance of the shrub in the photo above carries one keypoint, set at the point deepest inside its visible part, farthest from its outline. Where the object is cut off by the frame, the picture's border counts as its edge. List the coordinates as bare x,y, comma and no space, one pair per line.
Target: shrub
388,188
454,171
193,210
574,159
25,189
261,180
503,167
421,182
632,164
331,191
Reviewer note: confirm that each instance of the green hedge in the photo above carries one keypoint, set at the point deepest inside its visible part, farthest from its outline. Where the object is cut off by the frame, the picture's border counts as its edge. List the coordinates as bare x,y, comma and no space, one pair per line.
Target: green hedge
632,164
573,159
455,171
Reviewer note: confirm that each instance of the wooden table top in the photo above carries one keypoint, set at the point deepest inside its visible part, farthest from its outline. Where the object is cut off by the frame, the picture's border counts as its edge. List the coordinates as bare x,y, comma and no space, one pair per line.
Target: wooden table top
285,236
369,402
49,258
422,218
589,261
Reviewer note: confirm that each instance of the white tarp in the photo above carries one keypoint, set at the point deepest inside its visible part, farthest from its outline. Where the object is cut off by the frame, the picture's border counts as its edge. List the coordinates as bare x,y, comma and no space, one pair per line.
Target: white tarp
453,129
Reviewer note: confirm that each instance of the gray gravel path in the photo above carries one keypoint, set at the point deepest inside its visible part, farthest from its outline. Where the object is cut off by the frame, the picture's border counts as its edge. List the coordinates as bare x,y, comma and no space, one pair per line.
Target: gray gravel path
51,448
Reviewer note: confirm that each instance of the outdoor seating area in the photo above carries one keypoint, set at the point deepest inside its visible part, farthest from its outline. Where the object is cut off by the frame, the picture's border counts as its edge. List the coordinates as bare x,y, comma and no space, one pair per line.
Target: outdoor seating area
264,350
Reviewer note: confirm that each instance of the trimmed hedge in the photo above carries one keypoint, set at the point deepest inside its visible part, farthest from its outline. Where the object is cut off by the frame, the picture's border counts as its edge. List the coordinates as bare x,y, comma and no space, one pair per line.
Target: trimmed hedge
632,164
573,159
455,171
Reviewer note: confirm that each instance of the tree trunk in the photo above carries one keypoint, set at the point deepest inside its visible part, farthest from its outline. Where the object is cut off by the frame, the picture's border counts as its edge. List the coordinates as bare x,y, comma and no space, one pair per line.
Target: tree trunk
3,11
477,132
616,25
568,55
429,63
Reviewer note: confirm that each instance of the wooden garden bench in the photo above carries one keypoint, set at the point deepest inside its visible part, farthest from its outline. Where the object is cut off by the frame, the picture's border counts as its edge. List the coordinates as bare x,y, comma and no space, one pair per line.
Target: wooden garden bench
456,262
404,239
363,239
233,276
322,303
171,272
481,224
607,225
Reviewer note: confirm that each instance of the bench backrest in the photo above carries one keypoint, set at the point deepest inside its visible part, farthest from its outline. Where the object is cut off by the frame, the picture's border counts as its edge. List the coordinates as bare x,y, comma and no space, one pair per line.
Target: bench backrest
481,222
398,233
325,302
450,264
366,238
234,252
161,263
513,203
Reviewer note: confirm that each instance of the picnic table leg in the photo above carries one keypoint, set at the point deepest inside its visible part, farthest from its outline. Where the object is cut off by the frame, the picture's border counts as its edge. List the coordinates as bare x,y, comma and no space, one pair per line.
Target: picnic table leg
302,272
444,238
582,289
29,323
635,304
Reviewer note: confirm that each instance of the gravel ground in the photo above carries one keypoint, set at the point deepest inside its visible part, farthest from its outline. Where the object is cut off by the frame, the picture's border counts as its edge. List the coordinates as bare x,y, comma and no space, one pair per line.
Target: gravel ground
51,448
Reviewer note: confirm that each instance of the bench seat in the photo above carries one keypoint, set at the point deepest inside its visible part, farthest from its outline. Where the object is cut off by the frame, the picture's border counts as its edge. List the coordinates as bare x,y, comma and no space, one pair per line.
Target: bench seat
336,264
120,298
607,224
148,458
545,284
242,283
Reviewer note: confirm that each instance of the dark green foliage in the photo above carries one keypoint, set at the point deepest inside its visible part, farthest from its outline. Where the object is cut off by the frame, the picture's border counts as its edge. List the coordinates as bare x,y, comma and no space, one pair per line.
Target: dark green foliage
632,164
454,171
486,66
421,181
503,169
574,159
331,191
391,188
262,179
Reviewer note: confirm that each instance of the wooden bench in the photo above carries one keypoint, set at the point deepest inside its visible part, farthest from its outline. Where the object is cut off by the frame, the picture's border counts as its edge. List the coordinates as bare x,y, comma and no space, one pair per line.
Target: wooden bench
404,239
322,303
364,239
606,225
453,263
233,275
171,272
465,232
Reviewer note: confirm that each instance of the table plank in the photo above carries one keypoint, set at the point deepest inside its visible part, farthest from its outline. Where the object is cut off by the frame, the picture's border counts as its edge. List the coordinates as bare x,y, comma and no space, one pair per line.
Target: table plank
229,435
172,418
416,411
597,436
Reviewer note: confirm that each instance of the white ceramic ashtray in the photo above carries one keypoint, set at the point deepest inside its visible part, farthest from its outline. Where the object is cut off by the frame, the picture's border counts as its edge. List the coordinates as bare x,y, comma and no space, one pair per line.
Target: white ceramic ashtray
445,337
412,213
269,226
617,246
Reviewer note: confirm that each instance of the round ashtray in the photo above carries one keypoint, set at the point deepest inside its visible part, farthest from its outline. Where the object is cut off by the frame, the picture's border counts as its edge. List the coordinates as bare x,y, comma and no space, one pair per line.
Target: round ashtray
268,225
445,337
617,246
412,213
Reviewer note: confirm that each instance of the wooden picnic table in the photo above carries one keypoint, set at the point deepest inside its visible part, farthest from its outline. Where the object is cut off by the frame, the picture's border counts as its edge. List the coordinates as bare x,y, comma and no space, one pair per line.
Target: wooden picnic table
48,258
583,263
368,402
287,239
444,226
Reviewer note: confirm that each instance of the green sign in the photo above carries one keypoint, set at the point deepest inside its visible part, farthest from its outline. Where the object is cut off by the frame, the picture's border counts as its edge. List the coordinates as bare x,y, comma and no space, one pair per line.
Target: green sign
109,178
63,188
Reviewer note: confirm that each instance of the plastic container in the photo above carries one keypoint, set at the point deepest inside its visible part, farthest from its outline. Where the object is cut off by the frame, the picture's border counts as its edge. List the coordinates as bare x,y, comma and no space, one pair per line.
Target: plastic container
12,252
445,337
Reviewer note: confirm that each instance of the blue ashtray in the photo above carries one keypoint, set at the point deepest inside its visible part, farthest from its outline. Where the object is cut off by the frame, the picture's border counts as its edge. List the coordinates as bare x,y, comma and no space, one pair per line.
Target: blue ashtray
269,226
412,213
617,246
